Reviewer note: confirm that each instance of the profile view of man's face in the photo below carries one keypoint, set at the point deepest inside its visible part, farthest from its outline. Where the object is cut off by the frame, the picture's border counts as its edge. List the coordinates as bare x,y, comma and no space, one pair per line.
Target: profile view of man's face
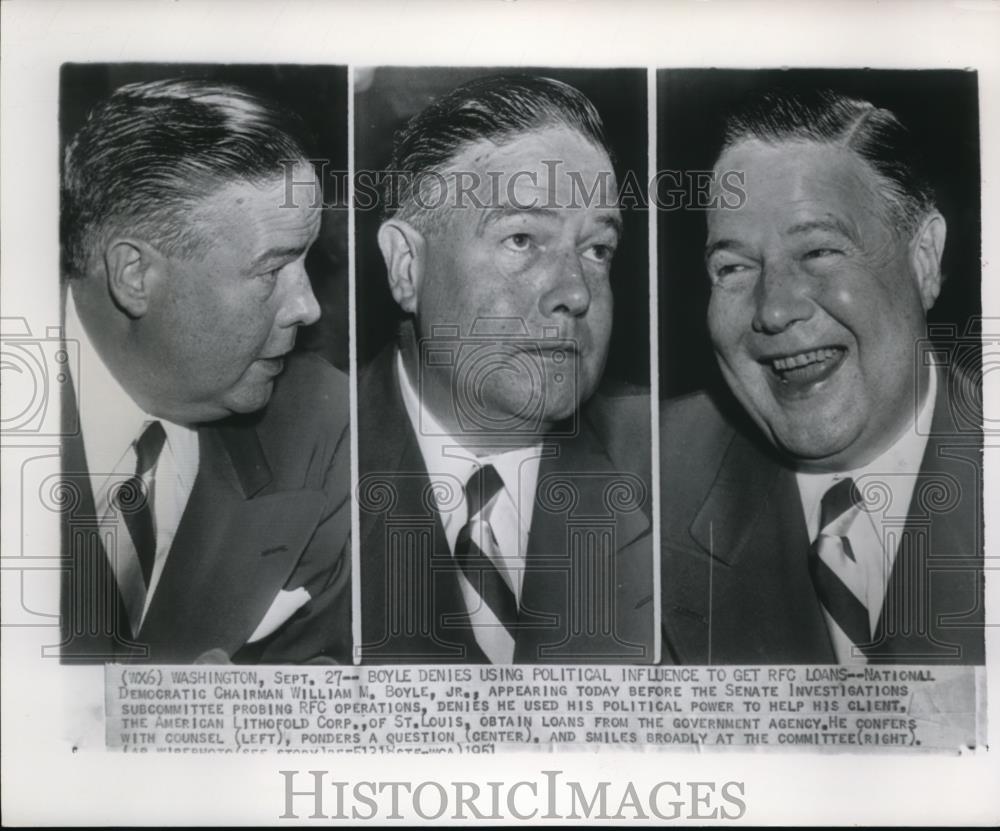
220,320
532,262
817,302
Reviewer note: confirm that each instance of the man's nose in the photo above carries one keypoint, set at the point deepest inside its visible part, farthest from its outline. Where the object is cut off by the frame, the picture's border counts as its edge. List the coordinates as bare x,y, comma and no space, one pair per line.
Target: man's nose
782,298
566,291
300,307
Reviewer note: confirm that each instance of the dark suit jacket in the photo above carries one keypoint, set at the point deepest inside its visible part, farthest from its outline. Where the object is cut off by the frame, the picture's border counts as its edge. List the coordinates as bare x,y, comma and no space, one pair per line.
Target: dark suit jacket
587,589
736,584
269,508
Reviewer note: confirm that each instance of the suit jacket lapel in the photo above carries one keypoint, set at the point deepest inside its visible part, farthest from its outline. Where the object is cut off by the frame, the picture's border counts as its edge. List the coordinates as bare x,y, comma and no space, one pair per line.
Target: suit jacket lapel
225,567
744,595
940,549
94,625
413,608
587,592
229,558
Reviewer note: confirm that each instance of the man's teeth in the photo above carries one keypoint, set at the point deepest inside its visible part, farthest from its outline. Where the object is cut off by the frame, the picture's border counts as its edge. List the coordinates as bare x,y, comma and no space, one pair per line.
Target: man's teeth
804,359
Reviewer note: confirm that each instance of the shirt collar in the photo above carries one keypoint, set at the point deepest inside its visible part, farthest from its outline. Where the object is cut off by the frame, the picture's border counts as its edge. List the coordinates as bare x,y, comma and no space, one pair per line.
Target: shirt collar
109,419
898,466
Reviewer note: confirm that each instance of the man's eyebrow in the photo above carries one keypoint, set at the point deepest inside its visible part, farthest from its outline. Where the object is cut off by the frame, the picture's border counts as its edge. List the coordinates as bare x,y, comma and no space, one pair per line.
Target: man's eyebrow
493,215
613,220
723,245
830,225
282,252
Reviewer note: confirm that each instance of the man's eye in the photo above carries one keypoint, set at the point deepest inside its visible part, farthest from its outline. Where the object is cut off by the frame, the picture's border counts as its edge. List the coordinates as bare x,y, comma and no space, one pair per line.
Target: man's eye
819,253
600,253
728,269
518,242
272,275
732,274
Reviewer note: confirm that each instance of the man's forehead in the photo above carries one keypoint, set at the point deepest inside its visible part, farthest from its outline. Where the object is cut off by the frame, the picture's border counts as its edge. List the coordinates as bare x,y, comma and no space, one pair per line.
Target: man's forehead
295,189
556,168
794,183
555,150
266,206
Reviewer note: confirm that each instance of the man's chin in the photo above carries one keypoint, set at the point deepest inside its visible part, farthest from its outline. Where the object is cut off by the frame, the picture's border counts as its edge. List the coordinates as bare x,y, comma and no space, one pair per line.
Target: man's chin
559,411
251,398
802,429
816,446
522,424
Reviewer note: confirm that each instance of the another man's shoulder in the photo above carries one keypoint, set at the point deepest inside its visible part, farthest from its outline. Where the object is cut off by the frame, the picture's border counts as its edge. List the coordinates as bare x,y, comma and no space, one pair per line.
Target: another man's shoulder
620,405
376,380
695,430
620,417
309,380
311,400
694,408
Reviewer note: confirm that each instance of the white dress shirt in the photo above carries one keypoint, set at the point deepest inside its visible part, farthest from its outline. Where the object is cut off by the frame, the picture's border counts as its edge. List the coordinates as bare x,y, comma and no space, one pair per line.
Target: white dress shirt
887,485
110,422
449,466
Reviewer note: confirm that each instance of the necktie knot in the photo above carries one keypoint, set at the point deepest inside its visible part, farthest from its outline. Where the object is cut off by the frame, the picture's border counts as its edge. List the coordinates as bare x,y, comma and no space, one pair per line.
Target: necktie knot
842,497
148,447
482,486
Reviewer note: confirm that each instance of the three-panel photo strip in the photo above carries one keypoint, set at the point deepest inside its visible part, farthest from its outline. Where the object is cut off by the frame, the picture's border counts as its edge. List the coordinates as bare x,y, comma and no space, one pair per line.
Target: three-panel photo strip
520,365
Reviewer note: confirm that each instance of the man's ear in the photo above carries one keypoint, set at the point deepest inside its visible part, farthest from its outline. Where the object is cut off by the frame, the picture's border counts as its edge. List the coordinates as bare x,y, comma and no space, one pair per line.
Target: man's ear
926,249
131,267
403,248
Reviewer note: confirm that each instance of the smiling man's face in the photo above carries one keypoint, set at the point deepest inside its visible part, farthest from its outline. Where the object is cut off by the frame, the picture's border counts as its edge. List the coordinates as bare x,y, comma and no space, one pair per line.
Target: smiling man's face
816,303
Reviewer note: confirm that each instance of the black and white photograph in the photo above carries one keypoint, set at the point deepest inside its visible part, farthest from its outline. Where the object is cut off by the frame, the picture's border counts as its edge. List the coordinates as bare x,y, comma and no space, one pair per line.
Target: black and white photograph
205,442
499,413
821,443
503,403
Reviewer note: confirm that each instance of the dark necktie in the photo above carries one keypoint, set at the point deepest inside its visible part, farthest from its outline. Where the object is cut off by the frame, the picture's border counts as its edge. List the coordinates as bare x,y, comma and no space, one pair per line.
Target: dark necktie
477,553
840,505
134,499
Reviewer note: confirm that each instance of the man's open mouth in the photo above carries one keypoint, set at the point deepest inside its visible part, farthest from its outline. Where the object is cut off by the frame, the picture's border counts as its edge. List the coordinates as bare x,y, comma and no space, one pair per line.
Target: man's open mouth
804,369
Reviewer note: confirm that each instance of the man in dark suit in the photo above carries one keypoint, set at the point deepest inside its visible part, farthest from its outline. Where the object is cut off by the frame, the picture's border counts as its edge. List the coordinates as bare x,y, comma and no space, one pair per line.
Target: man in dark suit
207,513
827,506
501,521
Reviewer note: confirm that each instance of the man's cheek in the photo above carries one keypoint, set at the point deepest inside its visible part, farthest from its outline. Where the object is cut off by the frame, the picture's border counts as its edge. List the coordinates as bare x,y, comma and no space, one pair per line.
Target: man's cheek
499,298
722,339
716,321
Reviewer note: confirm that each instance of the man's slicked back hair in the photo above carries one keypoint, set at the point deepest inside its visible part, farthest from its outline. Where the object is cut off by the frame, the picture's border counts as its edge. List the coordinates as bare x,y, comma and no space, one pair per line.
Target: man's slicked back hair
152,151
873,133
496,108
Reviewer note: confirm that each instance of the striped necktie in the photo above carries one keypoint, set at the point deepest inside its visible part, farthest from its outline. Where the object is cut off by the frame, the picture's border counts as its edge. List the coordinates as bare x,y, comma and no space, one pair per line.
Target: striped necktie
489,597
836,574
134,500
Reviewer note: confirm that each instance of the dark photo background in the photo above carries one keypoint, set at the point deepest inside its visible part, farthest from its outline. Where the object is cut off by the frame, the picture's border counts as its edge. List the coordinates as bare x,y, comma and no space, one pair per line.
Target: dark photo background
387,97
939,106
318,95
